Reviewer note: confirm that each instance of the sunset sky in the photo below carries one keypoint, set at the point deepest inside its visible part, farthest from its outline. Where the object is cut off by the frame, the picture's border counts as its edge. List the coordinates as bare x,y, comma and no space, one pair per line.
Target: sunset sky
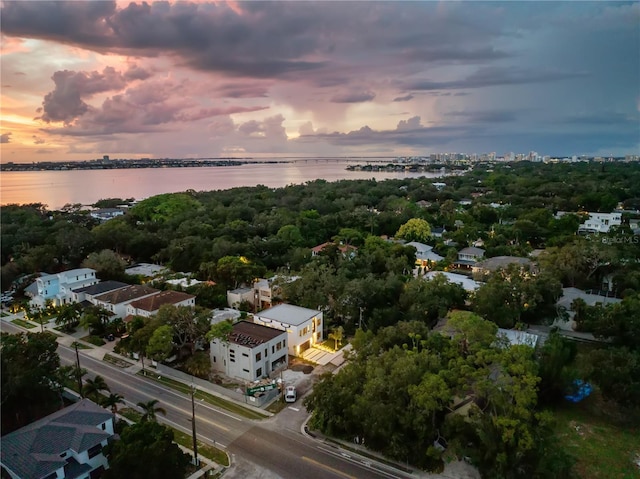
207,79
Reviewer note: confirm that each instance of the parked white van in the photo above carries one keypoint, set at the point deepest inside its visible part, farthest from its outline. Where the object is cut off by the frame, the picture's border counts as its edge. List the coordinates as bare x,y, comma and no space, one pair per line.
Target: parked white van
290,394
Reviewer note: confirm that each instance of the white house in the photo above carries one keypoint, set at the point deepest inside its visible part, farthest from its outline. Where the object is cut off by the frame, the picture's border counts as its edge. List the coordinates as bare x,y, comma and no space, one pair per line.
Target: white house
303,326
116,301
600,222
239,295
424,254
149,305
65,444
251,352
58,288
469,256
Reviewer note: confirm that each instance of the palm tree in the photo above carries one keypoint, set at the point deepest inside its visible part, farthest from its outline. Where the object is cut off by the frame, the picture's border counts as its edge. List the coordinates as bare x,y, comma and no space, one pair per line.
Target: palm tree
112,401
68,315
150,410
95,386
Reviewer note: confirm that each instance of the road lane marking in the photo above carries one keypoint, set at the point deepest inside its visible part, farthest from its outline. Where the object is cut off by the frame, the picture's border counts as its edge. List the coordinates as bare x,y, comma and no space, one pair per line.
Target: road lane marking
294,409
328,468
152,383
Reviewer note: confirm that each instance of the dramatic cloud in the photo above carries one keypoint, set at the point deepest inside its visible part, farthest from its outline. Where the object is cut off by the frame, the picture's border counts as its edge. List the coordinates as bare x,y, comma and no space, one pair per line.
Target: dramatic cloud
319,78
353,97
65,103
5,137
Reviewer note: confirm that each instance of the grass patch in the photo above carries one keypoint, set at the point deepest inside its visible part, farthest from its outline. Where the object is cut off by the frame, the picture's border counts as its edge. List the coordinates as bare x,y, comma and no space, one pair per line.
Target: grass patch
209,398
95,340
3,314
24,324
204,450
121,363
602,449
276,406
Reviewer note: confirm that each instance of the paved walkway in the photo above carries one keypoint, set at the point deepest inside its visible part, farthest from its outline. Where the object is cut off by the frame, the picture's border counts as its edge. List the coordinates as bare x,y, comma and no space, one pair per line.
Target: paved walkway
323,357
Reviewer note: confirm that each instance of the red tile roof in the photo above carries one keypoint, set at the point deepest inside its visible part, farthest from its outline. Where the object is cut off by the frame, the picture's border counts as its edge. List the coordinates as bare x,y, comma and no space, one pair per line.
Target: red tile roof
153,303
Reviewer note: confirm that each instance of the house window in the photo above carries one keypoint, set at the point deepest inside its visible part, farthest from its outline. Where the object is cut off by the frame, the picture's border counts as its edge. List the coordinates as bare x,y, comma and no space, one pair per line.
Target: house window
245,355
258,372
258,356
273,349
95,450
246,370
232,356
214,359
103,426
278,346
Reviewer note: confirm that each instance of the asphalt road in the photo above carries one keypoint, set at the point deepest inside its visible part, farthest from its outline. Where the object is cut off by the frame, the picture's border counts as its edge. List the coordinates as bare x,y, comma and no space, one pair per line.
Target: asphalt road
266,448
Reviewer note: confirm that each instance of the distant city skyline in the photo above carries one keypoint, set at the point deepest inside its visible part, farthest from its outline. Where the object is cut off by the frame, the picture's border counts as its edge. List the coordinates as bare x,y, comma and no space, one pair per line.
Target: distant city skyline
265,79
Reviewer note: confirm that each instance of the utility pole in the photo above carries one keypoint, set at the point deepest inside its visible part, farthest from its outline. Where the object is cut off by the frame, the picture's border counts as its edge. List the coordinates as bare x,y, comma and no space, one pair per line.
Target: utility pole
78,376
193,425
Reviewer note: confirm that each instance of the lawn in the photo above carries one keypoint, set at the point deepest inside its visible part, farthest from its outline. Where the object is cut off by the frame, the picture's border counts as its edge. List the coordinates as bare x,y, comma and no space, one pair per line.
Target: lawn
24,324
603,450
209,398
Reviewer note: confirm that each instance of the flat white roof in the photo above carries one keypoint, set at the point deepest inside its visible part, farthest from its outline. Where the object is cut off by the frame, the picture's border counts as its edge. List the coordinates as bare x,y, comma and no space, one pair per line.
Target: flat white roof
288,314
145,269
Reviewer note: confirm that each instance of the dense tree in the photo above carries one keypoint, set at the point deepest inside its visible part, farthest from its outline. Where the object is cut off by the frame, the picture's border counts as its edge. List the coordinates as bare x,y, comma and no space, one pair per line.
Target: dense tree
160,344
29,371
428,301
513,294
146,451
415,229
68,316
189,325
107,263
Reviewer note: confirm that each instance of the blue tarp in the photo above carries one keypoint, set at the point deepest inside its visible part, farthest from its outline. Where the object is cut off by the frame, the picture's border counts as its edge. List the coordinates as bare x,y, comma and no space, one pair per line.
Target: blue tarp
580,391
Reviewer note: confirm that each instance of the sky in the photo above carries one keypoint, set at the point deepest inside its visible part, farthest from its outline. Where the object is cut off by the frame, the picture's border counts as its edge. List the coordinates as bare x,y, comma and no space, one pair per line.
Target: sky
80,80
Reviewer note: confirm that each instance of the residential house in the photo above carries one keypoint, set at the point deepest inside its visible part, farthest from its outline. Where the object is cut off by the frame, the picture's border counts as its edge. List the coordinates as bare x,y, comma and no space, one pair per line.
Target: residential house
104,214
600,223
569,295
264,292
58,288
116,301
304,326
237,296
147,270
251,352
67,444
438,232
424,204
465,202
88,293
467,283
468,257
425,256
347,250
491,265
149,305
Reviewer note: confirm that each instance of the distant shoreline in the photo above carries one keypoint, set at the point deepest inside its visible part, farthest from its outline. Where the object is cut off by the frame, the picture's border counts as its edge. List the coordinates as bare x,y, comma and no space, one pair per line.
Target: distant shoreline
126,164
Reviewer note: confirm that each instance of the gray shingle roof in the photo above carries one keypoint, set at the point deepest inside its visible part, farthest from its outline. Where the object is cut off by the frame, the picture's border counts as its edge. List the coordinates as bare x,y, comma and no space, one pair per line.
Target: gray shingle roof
34,450
100,288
